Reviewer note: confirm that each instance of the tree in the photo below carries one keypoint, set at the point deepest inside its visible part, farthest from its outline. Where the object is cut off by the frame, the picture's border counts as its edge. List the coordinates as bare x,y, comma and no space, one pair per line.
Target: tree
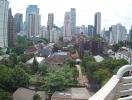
58,80
21,45
8,51
43,69
25,57
75,74
57,47
55,81
71,63
86,61
102,74
35,65
18,49
72,50
113,64
19,78
4,95
37,97
13,60
5,76
22,41
24,67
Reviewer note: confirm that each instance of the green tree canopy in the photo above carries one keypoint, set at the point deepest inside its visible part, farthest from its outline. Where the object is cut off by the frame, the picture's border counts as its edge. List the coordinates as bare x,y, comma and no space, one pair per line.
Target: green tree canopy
19,78
5,95
5,76
35,65
37,97
59,79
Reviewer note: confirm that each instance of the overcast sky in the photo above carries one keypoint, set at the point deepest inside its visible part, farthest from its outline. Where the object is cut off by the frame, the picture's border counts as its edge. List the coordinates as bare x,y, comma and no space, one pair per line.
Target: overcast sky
113,11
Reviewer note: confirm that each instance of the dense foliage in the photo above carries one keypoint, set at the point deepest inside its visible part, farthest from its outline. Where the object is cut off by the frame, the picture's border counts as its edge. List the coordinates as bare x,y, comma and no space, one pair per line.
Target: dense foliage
59,79
100,72
37,97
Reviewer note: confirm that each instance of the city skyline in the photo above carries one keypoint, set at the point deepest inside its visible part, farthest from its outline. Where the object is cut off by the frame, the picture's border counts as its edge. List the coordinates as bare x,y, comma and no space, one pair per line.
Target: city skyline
85,10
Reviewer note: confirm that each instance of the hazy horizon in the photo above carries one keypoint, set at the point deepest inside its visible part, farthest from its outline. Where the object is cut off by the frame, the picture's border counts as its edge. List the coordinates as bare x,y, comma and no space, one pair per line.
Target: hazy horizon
112,11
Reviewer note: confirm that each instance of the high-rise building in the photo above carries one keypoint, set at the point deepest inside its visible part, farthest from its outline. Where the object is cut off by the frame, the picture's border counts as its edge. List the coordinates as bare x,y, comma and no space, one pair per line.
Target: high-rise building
67,36
4,4
78,28
11,29
106,35
82,29
44,32
97,23
73,21
50,23
117,33
130,33
19,22
90,30
55,34
32,21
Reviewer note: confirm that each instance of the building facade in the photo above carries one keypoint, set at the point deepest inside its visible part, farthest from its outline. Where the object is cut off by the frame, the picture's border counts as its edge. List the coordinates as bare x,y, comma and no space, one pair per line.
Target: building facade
32,21
117,33
4,4
44,32
11,29
73,21
130,33
50,23
55,34
90,30
19,22
97,23
67,36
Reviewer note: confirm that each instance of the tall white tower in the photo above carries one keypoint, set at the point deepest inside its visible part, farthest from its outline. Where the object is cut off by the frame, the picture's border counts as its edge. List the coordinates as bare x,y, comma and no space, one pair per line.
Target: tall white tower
4,4
67,36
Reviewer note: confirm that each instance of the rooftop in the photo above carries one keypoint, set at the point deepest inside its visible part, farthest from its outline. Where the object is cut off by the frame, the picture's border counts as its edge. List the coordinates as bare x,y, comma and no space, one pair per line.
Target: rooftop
55,60
73,93
27,94
39,60
98,58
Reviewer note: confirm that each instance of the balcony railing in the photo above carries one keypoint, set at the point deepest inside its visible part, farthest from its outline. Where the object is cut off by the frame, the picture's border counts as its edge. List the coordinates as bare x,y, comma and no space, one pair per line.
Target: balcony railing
118,87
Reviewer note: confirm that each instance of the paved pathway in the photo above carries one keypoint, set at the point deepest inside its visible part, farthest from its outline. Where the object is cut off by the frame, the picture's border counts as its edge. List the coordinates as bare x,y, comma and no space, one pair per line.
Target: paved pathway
82,79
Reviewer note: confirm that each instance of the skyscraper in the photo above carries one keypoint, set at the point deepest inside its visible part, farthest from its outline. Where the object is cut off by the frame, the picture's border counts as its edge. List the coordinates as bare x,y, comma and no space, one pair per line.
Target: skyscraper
67,36
32,21
117,33
50,23
19,22
97,23
90,30
4,4
11,29
73,21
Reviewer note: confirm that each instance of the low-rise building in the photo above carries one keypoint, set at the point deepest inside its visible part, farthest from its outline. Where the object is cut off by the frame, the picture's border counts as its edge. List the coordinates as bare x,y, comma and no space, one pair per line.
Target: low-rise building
124,53
27,94
72,94
54,61
98,58
40,60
